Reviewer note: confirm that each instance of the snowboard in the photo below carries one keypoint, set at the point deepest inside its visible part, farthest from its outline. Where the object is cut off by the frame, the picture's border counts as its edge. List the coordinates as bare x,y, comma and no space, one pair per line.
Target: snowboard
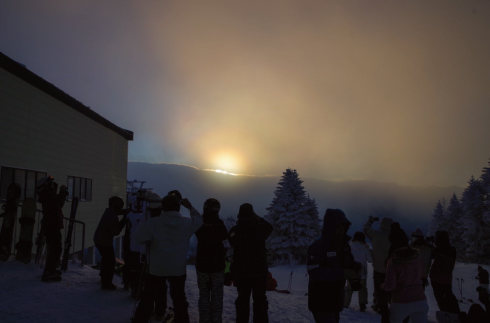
27,220
8,225
446,317
73,212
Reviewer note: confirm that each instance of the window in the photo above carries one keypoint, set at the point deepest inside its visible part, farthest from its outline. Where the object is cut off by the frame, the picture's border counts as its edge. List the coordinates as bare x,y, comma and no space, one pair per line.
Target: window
24,177
79,187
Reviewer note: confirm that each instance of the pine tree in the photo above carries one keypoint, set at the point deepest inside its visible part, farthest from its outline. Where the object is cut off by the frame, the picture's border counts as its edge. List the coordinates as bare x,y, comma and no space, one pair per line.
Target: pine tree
294,218
472,202
452,221
437,223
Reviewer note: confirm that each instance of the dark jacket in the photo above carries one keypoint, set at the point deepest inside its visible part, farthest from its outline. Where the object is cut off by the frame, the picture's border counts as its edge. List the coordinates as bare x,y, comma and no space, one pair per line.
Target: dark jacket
210,256
52,204
109,227
247,238
327,259
444,256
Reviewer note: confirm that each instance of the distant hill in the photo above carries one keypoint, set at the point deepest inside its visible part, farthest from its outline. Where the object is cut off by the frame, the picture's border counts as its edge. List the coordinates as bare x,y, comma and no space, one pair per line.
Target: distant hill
410,205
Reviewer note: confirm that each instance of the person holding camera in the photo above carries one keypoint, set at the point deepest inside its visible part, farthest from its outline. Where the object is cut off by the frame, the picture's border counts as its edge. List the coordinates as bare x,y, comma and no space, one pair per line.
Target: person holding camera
168,235
381,247
109,227
330,263
249,264
363,254
403,280
52,223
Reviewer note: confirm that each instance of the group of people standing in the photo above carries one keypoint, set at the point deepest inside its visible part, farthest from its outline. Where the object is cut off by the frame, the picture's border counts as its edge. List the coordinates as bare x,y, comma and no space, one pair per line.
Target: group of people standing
401,271
166,235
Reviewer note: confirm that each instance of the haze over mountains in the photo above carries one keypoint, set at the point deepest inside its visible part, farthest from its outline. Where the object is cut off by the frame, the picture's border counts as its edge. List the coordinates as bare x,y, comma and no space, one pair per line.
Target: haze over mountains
412,206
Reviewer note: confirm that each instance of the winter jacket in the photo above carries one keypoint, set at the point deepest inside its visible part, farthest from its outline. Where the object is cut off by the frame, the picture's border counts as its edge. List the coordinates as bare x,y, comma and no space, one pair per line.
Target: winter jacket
482,276
109,227
444,256
271,282
247,239
425,252
52,205
327,259
136,219
169,236
404,276
380,241
363,254
210,257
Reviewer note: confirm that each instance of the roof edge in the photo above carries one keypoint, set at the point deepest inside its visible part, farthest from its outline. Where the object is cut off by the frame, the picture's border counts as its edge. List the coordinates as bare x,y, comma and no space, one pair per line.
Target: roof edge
38,82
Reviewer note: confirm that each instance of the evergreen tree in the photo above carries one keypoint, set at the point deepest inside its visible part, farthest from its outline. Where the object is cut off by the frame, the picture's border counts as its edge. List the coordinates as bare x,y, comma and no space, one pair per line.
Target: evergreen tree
315,222
437,223
472,202
452,221
294,218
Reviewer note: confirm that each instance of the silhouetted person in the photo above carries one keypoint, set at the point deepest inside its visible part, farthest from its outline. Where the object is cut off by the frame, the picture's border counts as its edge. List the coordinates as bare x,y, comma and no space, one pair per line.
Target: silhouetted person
249,265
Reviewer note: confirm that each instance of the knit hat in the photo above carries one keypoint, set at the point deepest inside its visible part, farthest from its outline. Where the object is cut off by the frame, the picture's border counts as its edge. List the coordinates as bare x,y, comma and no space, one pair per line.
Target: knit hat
418,233
246,210
359,236
397,236
154,201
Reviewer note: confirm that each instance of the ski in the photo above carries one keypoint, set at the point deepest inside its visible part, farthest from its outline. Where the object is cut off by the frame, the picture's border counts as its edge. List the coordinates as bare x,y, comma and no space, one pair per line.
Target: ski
27,220
64,261
8,225
40,243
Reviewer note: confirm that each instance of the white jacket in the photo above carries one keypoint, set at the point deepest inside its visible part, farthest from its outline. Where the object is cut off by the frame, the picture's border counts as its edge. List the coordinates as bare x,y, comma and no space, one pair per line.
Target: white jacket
137,219
169,235
362,253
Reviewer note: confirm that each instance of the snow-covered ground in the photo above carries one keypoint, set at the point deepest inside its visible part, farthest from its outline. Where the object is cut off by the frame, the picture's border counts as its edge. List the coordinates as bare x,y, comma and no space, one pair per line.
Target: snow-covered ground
78,297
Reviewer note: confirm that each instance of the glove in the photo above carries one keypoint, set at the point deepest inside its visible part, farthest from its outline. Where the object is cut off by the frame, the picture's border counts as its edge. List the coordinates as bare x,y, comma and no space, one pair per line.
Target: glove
425,282
355,285
350,274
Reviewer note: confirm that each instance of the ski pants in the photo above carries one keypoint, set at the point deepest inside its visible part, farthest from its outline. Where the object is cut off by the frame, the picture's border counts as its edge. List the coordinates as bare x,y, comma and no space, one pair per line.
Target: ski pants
155,287
107,264
417,311
257,287
362,294
382,298
54,250
326,317
210,296
445,298
134,267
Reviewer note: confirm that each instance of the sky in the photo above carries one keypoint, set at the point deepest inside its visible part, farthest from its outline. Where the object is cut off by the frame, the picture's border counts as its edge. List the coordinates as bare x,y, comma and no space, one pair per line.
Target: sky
395,91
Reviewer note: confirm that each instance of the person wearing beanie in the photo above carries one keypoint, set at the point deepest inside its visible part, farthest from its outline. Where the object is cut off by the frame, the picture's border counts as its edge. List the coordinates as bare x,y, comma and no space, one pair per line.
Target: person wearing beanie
210,263
425,252
249,264
168,236
330,263
381,246
403,280
363,254
441,273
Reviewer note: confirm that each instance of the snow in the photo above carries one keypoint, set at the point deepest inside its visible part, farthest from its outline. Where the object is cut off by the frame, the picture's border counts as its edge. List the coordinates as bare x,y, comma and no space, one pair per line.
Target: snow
78,297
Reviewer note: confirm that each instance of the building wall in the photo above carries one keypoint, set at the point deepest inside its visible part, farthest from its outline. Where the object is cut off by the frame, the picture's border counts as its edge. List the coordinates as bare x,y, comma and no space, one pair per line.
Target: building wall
38,132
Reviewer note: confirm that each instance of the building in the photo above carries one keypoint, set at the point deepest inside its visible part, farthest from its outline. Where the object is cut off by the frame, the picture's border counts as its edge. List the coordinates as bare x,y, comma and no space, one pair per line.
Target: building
43,130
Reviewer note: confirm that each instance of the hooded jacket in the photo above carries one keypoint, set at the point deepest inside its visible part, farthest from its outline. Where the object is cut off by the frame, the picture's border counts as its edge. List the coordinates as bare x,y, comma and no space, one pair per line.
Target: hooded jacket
444,256
381,243
248,238
327,259
169,236
210,257
109,227
363,254
404,276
